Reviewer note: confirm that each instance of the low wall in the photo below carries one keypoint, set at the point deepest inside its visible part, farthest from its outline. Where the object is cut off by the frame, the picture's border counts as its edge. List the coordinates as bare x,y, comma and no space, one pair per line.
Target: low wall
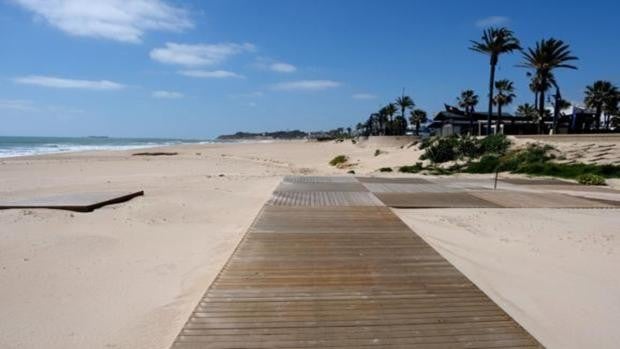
387,141
586,137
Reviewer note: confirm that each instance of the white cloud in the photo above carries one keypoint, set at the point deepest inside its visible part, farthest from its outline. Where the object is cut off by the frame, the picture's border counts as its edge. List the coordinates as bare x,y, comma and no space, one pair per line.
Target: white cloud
214,74
364,96
492,21
306,85
253,94
282,67
199,54
54,82
17,104
265,63
120,20
167,94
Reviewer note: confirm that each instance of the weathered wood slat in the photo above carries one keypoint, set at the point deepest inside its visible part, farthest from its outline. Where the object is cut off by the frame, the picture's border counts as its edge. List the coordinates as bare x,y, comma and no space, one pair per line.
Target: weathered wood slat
435,200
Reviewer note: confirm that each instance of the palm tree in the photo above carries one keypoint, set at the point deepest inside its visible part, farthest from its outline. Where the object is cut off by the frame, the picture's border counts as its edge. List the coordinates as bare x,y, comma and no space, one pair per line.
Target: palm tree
548,55
561,104
494,42
399,125
611,109
527,110
404,102
530,112
505,95
468,101
598,95
383,120
417,117
536,84
390,110
376,121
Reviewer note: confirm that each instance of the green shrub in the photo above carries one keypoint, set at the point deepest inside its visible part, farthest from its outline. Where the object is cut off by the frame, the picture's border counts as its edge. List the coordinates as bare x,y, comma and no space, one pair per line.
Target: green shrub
487,164
496,144
378,152
590,179
427,142
439,171
412,168
385,169
520,160
340,159
468,147
442,150
351,172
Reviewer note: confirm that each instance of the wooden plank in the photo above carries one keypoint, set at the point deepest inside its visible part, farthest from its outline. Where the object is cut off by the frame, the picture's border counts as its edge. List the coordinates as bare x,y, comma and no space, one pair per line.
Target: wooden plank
435,200
511,199
408,188
324,198
313,276
319,179
407,180
321,187
525,181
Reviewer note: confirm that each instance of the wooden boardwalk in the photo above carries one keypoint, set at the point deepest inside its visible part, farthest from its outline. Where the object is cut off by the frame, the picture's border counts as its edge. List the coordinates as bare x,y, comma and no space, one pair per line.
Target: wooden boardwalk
324,275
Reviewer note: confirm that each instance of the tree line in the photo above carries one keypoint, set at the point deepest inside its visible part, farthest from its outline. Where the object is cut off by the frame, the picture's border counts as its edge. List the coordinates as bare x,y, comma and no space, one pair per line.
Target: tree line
393,119
541,60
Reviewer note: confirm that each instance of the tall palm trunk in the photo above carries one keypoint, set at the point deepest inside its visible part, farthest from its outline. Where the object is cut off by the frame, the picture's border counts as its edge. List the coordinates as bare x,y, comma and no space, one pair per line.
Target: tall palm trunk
541,106
556,110
499,115
491,85
599,111
417,128
470,114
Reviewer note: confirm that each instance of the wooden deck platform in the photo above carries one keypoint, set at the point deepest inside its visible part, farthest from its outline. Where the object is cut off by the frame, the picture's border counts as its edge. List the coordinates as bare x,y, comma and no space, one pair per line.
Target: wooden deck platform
78,202
334,276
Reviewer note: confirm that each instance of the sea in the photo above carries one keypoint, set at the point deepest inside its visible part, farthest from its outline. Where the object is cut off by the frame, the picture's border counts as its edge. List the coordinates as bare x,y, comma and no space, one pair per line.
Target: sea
22,146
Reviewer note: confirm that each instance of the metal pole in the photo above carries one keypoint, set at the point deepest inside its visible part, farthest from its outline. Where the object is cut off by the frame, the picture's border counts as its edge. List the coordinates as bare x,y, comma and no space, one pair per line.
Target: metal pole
496,175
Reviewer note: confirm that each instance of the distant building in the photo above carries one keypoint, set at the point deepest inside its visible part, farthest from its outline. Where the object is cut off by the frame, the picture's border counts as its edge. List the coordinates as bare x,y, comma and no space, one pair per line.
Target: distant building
455,121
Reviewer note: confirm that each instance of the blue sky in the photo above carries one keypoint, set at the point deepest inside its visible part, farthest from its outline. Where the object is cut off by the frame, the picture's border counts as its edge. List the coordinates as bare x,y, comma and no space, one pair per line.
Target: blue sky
196,69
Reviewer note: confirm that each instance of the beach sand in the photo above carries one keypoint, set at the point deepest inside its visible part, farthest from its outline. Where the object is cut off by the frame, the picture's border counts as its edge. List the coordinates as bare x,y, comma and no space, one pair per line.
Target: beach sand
555,271
129,275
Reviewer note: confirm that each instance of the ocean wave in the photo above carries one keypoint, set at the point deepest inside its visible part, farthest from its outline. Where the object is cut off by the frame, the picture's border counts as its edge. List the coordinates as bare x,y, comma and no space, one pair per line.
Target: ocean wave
43,149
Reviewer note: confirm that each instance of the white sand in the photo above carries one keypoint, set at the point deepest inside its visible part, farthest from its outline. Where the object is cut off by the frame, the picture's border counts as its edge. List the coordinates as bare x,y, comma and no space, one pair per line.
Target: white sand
129,275
553,270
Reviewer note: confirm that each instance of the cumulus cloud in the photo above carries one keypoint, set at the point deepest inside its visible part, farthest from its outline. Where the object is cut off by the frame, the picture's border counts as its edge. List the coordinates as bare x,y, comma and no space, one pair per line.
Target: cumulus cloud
55,82
282,67
265,63
306,85
206,74
120,20
198,54
167,94
492,21
364,96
